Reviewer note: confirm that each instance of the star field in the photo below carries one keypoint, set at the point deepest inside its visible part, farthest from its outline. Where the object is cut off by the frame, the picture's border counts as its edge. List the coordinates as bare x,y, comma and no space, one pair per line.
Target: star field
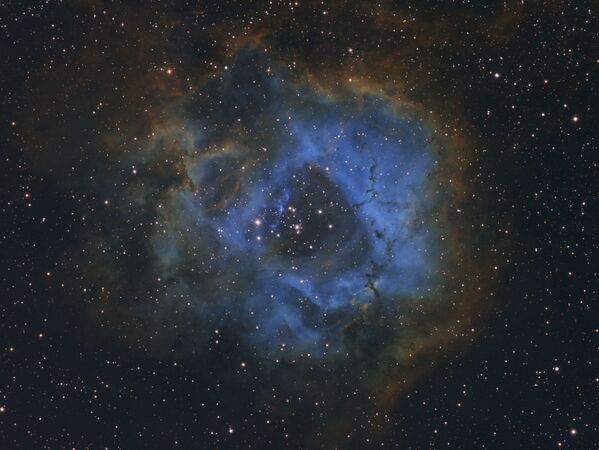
336,225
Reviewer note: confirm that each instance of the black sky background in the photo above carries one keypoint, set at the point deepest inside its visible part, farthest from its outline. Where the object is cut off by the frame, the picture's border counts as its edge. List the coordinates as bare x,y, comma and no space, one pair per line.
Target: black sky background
538,178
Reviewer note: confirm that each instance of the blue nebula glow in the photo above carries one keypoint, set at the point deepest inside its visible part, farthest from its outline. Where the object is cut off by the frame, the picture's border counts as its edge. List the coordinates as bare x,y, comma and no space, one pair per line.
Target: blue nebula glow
305,206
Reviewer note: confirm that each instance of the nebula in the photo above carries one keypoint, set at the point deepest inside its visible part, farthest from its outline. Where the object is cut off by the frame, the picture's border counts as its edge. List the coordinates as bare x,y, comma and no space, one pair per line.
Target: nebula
300,210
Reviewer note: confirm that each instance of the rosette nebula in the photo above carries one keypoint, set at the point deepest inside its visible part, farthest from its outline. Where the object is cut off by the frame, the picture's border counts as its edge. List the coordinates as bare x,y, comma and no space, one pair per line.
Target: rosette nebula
300,209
